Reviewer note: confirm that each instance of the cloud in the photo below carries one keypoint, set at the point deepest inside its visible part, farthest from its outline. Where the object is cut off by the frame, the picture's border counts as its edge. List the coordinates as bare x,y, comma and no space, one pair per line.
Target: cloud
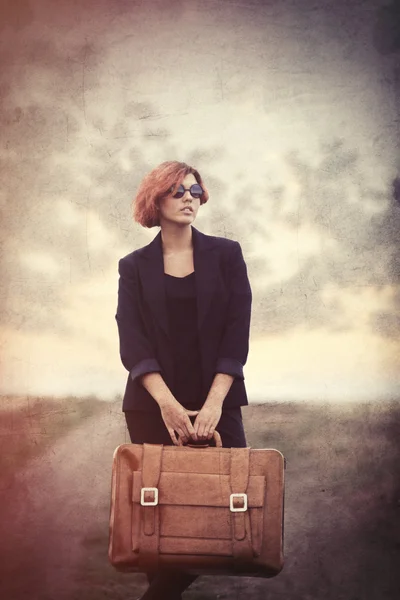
282,114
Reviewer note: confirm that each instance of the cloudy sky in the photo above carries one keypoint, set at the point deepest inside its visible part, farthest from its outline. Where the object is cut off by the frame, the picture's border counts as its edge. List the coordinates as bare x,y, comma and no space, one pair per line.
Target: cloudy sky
288,109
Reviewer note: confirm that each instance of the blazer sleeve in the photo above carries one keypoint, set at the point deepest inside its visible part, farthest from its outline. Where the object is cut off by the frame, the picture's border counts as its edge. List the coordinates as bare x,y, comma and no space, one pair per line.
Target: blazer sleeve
136,351
234,346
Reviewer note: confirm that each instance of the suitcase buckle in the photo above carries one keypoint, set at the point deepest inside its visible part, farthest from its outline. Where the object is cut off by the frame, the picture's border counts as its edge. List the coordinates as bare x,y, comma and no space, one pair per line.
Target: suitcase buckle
144,502
238,508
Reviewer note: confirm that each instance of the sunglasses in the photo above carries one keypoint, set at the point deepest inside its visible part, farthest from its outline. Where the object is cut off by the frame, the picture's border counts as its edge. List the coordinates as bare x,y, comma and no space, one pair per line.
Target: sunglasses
195,190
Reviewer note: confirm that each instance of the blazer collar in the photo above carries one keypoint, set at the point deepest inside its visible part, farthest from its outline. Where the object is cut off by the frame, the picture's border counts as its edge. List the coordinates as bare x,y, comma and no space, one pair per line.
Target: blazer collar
151,269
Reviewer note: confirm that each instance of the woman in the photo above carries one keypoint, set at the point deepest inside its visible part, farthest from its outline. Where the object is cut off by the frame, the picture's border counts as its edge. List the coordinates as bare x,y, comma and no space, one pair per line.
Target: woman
183,315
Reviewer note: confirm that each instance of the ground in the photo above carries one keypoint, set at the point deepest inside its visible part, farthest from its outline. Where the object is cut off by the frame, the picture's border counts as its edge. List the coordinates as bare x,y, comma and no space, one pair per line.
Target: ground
342,502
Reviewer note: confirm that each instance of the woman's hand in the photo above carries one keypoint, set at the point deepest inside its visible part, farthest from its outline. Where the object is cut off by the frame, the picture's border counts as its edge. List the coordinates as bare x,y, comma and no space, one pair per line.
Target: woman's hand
207,420
211,411
177,421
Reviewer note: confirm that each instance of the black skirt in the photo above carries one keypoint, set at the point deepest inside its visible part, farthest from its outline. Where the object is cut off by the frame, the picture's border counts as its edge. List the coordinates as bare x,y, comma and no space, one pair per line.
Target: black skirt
146,427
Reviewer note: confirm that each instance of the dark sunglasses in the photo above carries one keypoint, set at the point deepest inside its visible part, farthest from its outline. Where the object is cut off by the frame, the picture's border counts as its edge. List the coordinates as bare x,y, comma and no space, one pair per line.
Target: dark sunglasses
195,190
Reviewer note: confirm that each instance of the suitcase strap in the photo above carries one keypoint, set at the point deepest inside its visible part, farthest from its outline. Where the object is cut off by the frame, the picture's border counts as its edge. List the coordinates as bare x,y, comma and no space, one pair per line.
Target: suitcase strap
150,530
242,549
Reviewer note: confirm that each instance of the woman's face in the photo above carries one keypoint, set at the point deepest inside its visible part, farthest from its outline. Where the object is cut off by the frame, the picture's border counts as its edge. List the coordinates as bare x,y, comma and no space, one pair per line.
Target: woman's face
181,211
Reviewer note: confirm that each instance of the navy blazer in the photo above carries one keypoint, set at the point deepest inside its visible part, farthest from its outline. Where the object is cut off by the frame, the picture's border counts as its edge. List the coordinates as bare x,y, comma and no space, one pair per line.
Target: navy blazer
223,305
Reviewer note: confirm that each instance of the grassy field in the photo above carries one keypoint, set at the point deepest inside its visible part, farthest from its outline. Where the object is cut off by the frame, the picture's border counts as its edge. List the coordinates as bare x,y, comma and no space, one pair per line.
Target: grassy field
342,522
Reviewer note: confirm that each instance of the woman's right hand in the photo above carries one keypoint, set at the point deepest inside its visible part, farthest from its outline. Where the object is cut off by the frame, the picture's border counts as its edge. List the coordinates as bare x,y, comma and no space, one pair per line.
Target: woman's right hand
177,421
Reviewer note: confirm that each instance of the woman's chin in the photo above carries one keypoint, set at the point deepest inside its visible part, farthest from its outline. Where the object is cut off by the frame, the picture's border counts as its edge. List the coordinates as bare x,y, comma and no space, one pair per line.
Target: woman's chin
179,222
185,218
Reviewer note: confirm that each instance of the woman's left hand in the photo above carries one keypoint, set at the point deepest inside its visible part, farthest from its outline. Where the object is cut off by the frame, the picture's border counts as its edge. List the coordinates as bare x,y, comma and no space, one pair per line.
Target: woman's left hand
207,420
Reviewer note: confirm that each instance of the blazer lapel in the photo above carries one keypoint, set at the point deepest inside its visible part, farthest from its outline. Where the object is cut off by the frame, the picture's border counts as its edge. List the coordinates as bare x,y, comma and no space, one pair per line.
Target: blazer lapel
206,266
151,269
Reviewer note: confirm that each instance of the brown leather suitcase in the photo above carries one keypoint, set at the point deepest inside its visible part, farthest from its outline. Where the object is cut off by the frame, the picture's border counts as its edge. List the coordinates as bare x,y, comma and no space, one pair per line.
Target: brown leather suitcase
204,510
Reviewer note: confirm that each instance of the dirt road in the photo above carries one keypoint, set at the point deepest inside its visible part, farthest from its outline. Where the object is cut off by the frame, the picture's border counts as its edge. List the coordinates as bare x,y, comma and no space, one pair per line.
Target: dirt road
50,506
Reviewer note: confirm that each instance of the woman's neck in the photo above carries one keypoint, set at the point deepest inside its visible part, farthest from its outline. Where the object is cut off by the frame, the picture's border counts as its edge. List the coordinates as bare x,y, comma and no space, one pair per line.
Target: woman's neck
176,239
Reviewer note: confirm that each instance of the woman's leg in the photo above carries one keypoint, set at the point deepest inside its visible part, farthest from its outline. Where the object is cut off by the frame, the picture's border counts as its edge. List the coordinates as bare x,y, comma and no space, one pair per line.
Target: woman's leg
146,427
168,585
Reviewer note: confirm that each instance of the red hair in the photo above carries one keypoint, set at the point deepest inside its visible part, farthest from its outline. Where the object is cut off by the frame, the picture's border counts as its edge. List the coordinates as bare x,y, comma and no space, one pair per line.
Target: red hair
158,183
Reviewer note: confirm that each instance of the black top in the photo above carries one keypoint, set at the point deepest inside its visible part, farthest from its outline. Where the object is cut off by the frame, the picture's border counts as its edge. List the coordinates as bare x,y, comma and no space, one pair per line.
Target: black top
182,313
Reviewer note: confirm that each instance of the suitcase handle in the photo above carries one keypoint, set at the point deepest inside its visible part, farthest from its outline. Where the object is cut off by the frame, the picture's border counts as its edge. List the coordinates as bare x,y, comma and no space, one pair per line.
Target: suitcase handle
216,437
